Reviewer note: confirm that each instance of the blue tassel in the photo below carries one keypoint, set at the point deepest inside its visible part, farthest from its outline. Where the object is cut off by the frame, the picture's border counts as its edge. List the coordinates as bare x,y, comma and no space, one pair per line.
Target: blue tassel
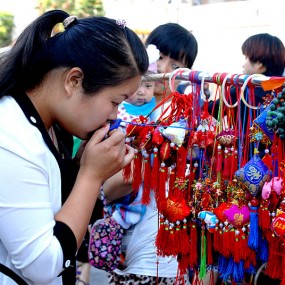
229,270
253,238
238,272
222,262
251,270
263,251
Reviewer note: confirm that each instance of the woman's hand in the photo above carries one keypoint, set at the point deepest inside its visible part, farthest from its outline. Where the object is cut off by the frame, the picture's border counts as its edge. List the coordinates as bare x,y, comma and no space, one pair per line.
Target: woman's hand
102,158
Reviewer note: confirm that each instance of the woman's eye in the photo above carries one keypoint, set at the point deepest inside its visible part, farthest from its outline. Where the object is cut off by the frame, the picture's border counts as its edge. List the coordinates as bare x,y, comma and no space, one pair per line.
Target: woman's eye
115,104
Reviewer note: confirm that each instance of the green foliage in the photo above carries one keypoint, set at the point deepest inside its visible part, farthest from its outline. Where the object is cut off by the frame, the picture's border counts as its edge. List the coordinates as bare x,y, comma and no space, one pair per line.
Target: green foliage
6,28
79,8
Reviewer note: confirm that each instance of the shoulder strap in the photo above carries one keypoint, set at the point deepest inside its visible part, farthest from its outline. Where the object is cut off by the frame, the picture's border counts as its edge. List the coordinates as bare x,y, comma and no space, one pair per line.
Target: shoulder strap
7,271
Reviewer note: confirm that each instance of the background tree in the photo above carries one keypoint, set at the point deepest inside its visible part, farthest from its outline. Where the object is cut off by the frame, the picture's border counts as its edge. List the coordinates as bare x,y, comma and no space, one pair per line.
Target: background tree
80,8
6,28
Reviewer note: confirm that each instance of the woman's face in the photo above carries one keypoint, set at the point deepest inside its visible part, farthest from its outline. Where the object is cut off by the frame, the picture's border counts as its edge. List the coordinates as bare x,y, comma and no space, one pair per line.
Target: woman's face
166,64
88,113
250,67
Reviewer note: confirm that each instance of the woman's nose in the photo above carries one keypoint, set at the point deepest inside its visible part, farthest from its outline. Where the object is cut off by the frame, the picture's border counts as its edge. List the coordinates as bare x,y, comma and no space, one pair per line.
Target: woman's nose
113,115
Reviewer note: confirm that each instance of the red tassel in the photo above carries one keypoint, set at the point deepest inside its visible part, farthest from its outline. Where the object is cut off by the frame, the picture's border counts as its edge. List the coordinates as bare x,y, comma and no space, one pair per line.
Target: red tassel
237,247
155,170
235,161
162,236
193,247
168,246
181,162
171,248
180,184
244,252
146,187
228,239
274,264
172,177
267,159
216,240
182,238
183,264
127,172
231,240
283,265
264,216
137,171
226,171
219,159
161,191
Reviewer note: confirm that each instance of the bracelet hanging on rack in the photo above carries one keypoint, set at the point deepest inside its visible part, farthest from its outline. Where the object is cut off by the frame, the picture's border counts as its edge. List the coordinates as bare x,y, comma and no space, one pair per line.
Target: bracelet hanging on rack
245,84
224,93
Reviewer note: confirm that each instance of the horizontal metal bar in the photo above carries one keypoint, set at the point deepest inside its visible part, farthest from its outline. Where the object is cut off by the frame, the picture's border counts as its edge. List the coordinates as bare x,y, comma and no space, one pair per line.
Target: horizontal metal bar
198,76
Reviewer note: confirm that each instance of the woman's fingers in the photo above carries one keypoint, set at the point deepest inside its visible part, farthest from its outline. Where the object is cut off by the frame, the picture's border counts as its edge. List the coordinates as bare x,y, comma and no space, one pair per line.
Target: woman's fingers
105,157
129,155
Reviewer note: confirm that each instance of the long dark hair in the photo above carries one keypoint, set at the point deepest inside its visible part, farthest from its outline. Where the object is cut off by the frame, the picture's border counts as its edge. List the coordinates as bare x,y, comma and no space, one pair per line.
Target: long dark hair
107,52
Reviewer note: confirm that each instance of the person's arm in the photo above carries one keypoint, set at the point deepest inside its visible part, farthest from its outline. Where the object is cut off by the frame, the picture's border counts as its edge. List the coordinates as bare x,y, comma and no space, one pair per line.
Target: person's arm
35,229
100,161
116,187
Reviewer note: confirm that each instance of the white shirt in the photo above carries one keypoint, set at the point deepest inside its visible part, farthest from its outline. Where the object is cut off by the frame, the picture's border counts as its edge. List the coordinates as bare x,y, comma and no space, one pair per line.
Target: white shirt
139,242
30,196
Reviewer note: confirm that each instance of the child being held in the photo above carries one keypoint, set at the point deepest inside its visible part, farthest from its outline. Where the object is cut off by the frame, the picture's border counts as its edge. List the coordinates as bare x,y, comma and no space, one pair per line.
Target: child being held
142,101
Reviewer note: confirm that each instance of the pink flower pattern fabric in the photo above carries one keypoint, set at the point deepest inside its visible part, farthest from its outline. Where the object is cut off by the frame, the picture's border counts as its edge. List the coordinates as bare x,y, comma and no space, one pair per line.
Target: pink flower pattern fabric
105,244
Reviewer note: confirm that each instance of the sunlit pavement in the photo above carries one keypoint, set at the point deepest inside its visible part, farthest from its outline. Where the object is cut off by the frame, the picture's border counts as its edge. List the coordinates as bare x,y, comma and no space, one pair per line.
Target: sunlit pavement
98,277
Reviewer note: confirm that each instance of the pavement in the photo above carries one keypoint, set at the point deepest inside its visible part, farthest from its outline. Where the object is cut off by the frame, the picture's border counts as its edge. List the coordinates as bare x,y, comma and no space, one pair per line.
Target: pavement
98,277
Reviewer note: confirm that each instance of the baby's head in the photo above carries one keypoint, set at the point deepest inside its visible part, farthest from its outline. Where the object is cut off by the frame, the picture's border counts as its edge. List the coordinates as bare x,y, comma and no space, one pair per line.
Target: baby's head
145,92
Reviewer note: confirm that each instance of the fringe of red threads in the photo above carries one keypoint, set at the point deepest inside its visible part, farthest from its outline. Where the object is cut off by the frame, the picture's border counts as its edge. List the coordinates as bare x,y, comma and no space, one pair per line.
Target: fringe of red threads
263,216
146,184
193,246
226,171
127,172
161,190
182,238
137,171
162,235
219,159
154,171
172,177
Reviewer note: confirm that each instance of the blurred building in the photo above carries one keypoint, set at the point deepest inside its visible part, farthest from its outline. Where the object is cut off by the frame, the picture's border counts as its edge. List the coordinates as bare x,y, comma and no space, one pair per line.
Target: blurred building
219,26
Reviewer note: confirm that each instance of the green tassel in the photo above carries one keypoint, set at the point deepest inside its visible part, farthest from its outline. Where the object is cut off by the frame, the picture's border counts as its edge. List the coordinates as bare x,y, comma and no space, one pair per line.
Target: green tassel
203,267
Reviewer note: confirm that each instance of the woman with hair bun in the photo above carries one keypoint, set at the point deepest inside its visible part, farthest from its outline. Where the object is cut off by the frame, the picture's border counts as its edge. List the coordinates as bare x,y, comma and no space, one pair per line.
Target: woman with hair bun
51,88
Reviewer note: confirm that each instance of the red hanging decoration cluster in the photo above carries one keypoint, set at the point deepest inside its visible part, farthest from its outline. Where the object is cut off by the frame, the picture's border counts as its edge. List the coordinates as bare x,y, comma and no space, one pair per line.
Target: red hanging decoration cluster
210,187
